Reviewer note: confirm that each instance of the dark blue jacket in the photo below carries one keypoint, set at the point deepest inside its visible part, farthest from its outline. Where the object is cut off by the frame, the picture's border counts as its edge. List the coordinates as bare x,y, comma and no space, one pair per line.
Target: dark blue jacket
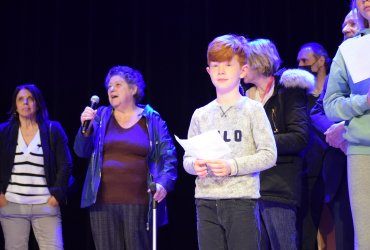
57,157
162,161
335,161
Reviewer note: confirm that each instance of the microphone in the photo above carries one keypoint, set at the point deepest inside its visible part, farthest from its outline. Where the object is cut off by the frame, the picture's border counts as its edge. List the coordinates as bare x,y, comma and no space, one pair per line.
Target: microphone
94,103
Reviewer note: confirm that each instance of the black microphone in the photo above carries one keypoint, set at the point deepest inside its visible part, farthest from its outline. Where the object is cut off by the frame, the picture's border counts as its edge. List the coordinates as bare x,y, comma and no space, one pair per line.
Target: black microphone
153,189
94,103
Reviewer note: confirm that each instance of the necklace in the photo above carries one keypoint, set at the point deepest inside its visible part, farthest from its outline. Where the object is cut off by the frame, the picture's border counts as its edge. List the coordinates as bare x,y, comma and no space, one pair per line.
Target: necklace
224,112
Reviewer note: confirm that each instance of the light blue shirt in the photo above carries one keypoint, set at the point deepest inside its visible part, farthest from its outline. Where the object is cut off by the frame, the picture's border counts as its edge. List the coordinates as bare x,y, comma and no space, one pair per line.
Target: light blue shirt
345,100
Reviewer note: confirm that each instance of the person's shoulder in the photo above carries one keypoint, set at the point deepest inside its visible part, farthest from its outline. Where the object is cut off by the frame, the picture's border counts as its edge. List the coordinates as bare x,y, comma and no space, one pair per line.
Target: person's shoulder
103,109
54,123
148,110
150,113
297,78
246,101
4,125
207,108
8,124
53,126
249,105
348,43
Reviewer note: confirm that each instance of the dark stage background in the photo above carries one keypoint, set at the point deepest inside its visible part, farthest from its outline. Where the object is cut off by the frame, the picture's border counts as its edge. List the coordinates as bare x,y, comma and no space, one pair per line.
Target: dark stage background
66,48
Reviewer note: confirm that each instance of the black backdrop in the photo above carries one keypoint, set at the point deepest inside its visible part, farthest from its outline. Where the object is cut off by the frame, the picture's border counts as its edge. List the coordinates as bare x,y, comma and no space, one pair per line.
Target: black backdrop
66,47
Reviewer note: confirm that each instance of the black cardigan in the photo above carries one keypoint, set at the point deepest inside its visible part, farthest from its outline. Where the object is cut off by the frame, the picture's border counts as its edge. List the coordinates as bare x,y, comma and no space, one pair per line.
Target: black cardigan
57,157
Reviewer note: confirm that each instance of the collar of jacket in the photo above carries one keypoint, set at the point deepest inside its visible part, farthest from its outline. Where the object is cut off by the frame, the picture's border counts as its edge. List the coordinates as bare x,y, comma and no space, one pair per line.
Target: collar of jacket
297,78
290,78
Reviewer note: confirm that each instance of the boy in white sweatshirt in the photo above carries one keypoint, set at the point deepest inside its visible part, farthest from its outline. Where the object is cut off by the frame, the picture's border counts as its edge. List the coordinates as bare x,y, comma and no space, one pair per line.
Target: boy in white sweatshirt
227,188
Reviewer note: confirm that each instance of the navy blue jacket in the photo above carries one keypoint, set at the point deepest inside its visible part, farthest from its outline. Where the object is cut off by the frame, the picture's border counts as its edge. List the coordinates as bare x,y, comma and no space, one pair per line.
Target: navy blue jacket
335,161
57,157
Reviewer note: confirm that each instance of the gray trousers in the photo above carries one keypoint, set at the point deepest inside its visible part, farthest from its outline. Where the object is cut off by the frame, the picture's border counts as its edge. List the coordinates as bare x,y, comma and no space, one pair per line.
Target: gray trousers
359,194
17,219
120,227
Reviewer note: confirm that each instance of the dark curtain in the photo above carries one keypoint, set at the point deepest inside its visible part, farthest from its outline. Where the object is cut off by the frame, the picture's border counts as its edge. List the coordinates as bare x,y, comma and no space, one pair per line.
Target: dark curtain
66,48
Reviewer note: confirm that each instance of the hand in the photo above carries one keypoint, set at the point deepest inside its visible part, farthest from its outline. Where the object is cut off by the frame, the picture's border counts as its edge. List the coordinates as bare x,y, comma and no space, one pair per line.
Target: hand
3,201
160,192
53,202
344,147
200,168
334,134
219,167
87,115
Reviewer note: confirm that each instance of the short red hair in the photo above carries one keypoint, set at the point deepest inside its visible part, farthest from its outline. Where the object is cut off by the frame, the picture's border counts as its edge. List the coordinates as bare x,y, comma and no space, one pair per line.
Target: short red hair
224,48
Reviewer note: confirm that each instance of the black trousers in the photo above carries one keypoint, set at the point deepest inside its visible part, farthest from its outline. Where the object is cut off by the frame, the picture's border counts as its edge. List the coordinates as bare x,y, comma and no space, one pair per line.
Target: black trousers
120,227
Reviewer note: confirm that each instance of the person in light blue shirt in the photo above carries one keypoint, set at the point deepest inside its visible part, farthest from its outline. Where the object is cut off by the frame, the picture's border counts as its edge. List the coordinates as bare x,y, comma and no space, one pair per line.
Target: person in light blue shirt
349,101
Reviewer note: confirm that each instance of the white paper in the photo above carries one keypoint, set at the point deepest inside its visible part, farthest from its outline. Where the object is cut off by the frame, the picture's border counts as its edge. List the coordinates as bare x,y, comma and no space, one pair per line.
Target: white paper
207,146
356,54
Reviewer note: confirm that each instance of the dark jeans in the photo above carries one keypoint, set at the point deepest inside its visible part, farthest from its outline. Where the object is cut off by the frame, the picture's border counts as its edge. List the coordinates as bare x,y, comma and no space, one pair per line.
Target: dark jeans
231,224
278,226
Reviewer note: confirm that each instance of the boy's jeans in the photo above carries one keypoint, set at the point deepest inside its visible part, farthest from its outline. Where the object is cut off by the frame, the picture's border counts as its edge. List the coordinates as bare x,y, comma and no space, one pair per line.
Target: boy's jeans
231,224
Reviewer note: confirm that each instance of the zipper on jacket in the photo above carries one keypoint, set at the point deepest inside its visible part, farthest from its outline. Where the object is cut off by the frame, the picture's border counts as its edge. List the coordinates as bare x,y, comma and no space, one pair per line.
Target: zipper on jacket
274,119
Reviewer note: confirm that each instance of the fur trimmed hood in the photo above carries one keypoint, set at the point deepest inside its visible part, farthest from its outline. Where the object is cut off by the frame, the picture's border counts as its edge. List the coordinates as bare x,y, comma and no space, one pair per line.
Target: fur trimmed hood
298,78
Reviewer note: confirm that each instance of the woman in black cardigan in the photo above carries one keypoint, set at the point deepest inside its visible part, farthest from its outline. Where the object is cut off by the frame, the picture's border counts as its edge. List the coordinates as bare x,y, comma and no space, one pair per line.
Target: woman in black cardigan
35,168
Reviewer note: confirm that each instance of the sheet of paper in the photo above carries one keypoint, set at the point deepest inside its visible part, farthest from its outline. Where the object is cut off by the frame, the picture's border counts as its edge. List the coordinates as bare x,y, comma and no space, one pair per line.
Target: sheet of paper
208,146
356,54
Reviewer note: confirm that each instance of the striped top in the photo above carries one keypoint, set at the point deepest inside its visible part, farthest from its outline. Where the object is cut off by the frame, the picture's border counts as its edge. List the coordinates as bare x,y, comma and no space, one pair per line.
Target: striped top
27,182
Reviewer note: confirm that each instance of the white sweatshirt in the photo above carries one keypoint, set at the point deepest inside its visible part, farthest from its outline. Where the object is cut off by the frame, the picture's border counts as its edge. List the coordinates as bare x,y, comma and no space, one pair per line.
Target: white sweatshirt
244,126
